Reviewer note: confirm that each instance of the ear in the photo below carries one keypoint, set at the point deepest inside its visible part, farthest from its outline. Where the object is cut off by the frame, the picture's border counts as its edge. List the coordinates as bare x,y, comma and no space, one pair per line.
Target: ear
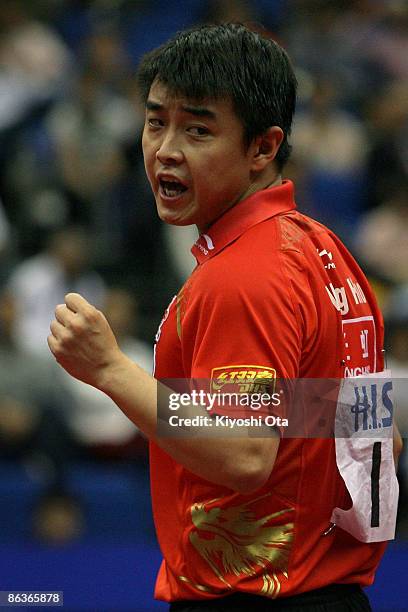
265,148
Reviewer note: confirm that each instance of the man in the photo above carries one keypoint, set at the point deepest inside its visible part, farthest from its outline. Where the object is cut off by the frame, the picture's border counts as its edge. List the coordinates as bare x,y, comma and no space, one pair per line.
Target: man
245,520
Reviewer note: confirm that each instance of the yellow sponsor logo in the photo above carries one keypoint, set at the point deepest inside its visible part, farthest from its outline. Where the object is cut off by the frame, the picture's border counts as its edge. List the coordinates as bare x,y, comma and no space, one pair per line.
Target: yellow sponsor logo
244,378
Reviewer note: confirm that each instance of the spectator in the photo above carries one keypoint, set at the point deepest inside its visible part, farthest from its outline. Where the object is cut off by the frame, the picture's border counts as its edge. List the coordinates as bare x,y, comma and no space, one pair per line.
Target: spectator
332,147
397,361
381,240
34,63
38,282
88,132
387,120
32,405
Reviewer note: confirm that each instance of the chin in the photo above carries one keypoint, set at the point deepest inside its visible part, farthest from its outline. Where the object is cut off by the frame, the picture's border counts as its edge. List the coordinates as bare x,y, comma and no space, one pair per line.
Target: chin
178,222
174,217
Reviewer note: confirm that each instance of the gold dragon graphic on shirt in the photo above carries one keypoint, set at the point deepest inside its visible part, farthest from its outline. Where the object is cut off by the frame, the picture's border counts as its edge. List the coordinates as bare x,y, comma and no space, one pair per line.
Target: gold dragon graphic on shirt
234,541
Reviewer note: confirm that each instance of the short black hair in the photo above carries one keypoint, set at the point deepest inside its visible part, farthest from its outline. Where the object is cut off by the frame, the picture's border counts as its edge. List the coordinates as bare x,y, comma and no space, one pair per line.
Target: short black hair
228,61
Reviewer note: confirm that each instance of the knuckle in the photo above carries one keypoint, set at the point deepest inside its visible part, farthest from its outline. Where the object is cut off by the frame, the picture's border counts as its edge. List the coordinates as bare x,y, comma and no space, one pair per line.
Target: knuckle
91,314
54,326
76,326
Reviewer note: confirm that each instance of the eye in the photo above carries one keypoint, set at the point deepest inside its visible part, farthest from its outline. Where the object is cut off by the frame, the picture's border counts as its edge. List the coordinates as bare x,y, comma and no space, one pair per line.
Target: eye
198,130
154,122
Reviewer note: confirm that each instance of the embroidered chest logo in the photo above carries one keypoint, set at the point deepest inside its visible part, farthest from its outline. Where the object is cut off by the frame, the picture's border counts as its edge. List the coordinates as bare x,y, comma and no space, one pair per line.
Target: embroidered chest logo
235,541
243,378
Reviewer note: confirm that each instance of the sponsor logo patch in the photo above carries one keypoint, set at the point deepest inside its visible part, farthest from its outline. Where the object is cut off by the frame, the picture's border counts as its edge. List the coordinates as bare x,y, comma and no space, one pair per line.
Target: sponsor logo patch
243,379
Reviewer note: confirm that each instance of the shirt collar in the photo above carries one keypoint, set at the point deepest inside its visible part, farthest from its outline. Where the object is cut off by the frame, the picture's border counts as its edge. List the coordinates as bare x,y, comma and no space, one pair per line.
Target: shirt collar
235,221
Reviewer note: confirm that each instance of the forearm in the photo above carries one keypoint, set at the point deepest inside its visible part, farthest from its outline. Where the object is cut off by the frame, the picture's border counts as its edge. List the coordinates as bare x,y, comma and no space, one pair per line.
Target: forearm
241,463
83,343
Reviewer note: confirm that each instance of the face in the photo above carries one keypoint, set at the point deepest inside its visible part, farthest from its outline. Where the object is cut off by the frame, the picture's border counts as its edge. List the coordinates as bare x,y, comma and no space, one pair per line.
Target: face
195,157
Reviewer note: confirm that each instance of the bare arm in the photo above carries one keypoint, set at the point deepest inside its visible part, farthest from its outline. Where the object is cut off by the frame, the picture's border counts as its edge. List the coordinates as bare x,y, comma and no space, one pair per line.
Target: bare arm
397,445
84,345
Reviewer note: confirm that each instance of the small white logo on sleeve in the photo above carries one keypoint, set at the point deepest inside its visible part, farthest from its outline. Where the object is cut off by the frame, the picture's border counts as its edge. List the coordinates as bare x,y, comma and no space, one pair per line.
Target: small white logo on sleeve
329,264
210,244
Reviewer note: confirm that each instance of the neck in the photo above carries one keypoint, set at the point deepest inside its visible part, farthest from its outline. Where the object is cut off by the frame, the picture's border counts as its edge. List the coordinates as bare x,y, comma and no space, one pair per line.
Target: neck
257,185
272,179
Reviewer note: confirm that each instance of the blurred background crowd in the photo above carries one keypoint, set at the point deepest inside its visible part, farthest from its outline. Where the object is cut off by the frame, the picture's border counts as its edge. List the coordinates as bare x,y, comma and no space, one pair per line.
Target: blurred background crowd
76,213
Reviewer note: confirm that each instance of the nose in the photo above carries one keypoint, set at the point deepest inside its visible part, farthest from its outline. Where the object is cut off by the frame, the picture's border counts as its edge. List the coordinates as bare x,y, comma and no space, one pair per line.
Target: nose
169,151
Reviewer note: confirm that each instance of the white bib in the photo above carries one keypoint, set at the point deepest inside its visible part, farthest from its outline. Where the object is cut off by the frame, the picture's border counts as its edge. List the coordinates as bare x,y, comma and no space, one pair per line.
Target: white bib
364,444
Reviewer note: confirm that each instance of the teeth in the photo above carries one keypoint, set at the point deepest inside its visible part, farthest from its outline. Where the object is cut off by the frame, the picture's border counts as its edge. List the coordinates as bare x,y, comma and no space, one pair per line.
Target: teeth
170,193
172,189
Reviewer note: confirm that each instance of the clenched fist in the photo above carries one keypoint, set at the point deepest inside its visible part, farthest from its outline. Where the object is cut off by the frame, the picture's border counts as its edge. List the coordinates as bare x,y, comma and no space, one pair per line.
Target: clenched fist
82,341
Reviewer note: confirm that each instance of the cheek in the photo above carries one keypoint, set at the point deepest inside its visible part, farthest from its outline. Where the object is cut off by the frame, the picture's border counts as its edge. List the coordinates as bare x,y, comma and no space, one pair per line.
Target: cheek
148,157
219,176
147,146
209,172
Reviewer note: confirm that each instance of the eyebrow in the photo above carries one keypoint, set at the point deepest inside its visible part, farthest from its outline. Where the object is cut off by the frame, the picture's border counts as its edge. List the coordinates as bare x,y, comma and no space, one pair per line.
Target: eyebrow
197,111
153,106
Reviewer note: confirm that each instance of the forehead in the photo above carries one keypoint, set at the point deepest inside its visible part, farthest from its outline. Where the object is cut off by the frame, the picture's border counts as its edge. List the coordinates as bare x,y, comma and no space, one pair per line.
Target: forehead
163,95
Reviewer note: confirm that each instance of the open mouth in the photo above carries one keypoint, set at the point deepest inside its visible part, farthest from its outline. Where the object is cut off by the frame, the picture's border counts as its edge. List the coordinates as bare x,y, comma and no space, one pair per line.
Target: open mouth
172,189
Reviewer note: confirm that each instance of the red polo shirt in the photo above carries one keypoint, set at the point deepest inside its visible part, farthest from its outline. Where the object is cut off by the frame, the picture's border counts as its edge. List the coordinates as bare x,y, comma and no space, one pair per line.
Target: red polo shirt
274,294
